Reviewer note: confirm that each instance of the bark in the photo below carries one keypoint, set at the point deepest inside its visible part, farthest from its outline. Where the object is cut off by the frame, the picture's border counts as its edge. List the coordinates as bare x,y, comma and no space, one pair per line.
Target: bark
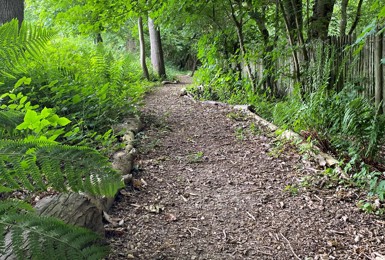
142,49
320,20
157,58
357,19
343,22
11,9
378,71
239,28
74,209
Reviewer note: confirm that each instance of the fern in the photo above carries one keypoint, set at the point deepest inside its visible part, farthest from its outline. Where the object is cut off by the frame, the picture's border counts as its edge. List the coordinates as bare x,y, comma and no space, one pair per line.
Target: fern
16,43
37,165
8,122
29,236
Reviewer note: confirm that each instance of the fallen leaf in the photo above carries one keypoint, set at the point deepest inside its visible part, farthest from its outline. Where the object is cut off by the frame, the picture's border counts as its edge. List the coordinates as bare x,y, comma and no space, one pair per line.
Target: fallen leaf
155,208
170,217
144,183
137,184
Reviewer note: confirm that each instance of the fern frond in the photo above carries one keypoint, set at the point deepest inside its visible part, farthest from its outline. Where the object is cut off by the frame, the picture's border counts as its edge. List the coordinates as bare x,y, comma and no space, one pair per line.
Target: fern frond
8,122
37,165
29,236
16,43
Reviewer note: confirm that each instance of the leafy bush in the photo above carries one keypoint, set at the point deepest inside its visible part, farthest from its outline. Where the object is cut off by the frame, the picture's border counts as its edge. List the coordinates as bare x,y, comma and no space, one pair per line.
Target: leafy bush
56,92
348,120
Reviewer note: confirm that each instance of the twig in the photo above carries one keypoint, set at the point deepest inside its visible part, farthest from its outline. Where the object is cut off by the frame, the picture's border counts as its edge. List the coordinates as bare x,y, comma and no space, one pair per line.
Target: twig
251,216
185,200
291,248
265,253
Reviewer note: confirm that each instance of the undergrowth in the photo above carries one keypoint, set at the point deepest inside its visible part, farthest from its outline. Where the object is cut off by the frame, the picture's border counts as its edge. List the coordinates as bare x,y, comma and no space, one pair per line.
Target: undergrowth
59,98
344,123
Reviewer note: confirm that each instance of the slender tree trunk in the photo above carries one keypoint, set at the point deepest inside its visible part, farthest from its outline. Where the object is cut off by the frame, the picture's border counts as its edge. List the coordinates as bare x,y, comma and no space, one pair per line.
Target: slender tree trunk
142,49
357,19
98,38
194,67
297,72
10,9
157,59
239,28
344,18
379,72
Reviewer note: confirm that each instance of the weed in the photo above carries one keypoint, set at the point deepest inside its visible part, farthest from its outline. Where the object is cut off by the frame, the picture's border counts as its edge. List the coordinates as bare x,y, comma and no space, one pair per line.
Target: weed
291,189
278,148
196,157
239,133
306,181
237,116
254,129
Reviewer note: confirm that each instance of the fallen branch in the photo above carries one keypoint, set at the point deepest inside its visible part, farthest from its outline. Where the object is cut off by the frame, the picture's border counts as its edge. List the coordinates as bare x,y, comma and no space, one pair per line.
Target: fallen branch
291,248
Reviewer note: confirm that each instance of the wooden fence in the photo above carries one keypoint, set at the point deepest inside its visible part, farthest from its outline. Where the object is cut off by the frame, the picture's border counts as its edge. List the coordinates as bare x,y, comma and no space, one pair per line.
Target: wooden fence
336,62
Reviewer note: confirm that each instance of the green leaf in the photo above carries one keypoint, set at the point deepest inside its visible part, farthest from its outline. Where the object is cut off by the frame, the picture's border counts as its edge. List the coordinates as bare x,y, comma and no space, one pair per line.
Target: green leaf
76,99
23,80
63,121
45,112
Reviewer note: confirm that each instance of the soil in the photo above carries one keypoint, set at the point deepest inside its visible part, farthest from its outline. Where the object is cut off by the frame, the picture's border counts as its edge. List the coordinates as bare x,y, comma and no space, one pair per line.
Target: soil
211,184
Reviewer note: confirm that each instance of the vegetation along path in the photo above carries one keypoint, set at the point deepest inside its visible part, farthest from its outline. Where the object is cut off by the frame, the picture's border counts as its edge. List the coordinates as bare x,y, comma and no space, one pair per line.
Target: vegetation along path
210,185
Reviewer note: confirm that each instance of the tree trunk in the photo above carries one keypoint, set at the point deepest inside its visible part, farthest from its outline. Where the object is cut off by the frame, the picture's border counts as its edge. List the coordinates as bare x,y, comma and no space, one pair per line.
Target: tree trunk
98,38
10,9
320,20
157,59
343,22
142,49
357,19
239,28
378,72
74,209
293,14
297,72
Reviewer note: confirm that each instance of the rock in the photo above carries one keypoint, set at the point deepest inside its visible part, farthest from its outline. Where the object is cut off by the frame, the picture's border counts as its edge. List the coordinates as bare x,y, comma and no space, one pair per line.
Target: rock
131,124
129,137
183,92
122,161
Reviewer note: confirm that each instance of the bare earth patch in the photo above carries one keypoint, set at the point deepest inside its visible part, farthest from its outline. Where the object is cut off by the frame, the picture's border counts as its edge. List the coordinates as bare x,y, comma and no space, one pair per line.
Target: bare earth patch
209,186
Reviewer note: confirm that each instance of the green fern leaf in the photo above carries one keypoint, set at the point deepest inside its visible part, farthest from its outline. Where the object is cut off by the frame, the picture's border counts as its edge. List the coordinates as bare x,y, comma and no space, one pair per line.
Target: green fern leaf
28,236
36,165
16,43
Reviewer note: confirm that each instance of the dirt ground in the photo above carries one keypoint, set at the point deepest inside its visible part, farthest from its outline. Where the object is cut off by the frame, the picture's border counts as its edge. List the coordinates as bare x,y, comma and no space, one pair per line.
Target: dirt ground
210,184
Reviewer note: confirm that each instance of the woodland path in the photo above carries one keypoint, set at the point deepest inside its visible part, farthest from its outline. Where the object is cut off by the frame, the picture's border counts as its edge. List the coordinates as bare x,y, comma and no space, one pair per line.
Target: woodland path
220,194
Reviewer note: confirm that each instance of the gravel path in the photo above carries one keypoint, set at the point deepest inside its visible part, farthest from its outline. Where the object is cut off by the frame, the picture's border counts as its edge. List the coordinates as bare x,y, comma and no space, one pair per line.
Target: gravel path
209,184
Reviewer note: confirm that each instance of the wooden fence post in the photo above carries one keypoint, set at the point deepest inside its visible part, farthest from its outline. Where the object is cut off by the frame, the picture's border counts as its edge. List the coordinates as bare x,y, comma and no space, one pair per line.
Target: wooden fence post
378,71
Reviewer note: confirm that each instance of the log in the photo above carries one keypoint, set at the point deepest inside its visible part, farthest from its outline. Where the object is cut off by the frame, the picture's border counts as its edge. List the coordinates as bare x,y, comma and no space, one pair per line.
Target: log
74,209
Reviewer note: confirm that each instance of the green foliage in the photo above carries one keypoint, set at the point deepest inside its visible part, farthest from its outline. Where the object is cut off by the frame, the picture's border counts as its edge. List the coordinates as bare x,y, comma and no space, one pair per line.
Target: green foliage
34,237
68,92
348,120
37,165
18,45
